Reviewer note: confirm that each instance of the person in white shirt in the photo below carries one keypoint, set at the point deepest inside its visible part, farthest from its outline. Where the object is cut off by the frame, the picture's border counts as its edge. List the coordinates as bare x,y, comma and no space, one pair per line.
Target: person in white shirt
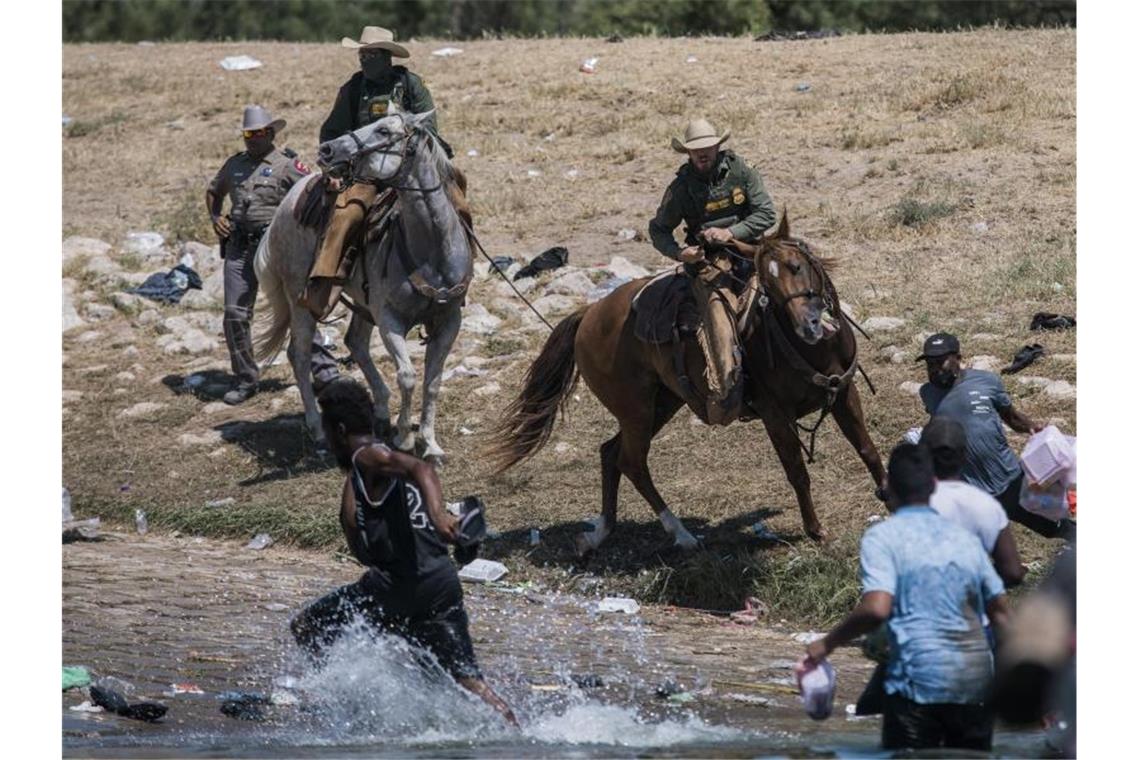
967,505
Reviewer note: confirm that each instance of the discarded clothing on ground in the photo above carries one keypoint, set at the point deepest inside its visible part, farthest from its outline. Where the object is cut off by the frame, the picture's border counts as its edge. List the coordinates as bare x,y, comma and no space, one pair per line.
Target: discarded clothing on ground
1043,320
111,700
502,263
1023,358
169,287
551,258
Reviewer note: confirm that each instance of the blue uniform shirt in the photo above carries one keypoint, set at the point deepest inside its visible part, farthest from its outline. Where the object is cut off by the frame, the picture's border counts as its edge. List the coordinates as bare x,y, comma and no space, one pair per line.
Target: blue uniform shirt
940,579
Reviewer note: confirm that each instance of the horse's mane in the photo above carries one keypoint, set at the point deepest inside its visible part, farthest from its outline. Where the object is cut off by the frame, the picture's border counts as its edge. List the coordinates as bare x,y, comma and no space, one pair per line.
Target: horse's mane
443,165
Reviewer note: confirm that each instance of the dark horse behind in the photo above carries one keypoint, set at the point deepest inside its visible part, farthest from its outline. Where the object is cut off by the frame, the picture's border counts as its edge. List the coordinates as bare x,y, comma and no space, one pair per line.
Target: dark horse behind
799,358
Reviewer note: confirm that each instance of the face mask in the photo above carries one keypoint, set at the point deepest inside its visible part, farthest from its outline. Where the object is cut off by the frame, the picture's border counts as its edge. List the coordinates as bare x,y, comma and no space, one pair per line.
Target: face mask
943,378
377,67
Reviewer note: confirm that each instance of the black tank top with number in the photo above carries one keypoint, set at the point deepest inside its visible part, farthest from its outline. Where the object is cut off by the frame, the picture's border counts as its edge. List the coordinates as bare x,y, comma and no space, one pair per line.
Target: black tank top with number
395,532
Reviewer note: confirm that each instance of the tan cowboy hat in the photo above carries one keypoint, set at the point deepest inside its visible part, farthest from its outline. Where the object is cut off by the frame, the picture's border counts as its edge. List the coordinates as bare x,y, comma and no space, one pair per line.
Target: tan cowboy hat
699,134
256,117
377,38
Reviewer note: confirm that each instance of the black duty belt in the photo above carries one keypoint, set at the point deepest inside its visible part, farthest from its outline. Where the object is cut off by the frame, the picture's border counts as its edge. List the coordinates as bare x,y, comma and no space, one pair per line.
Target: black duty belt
245,235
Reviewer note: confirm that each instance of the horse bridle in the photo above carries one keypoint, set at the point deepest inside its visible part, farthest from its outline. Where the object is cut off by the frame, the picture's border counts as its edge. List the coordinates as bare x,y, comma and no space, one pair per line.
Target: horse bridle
810,292
411,143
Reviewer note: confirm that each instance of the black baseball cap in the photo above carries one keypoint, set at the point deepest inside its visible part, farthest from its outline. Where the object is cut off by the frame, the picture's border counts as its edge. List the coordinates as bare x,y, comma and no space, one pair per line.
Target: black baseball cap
943,433
939,344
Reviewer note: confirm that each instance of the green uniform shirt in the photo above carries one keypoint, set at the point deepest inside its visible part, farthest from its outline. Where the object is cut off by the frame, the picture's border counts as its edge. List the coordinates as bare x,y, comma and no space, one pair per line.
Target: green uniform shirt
256,188
362,101
732,196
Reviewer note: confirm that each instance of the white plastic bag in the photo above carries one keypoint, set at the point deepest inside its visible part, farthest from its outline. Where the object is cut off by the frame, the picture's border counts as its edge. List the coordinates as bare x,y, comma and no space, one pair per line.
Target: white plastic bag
817,687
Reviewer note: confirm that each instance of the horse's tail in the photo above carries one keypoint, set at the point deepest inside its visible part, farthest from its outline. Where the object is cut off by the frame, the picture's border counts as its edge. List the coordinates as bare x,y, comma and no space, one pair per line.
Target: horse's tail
528,420
271,325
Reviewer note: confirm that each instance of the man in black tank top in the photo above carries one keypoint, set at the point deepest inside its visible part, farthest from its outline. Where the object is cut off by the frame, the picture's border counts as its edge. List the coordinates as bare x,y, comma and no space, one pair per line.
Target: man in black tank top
394,520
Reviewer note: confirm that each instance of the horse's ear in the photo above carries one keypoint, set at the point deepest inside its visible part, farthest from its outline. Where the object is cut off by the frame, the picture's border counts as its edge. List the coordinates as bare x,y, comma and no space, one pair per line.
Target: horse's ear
782,230
416,119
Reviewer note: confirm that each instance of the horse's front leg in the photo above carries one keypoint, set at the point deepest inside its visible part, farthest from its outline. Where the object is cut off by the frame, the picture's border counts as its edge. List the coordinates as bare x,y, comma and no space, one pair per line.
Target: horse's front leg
848,413
782,432
300,354
357,339
393,332
439,346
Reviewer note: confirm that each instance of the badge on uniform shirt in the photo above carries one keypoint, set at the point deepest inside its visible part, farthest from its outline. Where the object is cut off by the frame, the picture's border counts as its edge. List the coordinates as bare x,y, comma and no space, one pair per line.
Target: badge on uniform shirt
738,196
378,107
300,167
267,171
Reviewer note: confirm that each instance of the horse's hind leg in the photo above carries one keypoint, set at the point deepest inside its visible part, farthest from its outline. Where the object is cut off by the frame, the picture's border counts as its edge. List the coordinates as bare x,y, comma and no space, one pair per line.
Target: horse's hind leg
357,340
787,445
300,355
588,541
443,337
848,413
633,461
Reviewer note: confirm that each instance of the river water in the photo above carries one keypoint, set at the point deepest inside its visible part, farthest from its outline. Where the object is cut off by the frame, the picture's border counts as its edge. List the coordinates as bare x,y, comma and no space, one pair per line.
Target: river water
157,611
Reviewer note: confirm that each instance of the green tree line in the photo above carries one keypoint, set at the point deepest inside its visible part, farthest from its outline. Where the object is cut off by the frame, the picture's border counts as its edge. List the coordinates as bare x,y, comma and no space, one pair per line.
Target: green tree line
327,20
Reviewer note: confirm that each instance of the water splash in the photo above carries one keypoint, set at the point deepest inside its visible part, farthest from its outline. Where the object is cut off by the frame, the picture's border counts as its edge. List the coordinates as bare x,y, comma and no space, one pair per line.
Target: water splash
596,723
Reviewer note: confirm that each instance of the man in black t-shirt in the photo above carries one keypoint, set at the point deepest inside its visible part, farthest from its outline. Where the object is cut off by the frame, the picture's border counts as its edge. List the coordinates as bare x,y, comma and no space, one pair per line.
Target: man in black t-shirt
394,520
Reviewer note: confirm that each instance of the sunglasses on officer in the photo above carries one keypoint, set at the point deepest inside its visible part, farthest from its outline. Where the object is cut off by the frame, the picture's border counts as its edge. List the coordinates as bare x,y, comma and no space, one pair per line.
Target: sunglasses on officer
249,134
368,55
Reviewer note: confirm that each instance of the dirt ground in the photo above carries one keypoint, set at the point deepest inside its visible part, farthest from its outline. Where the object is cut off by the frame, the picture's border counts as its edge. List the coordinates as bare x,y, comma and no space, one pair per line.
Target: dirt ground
940,168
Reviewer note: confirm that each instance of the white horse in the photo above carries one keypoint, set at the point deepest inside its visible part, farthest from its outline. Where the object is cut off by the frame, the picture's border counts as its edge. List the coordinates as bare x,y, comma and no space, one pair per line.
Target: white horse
428,238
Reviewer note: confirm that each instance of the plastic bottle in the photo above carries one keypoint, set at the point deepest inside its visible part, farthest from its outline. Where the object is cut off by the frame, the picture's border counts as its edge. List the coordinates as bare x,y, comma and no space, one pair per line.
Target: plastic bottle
140,522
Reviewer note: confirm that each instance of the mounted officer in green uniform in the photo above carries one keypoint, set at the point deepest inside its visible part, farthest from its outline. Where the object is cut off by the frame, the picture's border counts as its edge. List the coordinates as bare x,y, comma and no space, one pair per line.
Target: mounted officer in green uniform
719,197
363,99
256,181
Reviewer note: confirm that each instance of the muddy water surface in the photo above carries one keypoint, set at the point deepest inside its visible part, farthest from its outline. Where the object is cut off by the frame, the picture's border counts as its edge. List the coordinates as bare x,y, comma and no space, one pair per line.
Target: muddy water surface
158,611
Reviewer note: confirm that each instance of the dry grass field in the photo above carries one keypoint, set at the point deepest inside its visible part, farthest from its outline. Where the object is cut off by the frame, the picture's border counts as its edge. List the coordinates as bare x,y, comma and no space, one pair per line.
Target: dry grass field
940,168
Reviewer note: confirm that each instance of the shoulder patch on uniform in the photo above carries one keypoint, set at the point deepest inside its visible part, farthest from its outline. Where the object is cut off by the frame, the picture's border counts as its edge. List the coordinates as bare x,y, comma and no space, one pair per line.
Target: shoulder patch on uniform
300,166
738,196
267,171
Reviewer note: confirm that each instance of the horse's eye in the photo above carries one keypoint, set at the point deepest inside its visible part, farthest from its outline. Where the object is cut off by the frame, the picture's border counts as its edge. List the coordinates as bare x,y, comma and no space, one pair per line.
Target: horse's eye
795,268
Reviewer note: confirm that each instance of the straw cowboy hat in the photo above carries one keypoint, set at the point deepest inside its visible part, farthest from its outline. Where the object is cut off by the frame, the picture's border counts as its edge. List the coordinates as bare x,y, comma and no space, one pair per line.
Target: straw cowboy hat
377,38
256,117
699,134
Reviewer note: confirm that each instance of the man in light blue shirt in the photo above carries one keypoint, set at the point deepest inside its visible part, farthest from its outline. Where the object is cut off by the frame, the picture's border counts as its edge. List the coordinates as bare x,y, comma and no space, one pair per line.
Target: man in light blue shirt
931,581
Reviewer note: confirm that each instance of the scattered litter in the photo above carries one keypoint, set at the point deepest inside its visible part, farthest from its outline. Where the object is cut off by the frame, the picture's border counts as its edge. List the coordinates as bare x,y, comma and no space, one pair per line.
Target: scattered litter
668,689
276,607
81,530
546,687
570,173
196,380
817,687
549,137
239,63
243,705
913,435
483,571
980,227
587,681
752,699
141,524
465,430
283,697
1025,356
605,287
806,637
588,66
112,700
110,683
502,263
67,516
691,59
177,124
447,52
533,173
551,258
681,697
1045,321
87,707
535,537
874,519
144,243
461,370
626,234
803,87
852,715
145,43
221,502
67,120
260,541
753,610
473,153
185,688
619,604
75,676
763,532
168,287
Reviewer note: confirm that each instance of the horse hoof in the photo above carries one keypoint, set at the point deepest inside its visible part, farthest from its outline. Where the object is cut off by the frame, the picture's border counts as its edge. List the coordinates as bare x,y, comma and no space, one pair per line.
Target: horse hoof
583,546
817,535
688,547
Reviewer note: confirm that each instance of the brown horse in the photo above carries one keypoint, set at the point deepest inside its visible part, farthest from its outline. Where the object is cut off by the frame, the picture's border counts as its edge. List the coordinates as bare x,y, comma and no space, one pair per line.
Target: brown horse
796,361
